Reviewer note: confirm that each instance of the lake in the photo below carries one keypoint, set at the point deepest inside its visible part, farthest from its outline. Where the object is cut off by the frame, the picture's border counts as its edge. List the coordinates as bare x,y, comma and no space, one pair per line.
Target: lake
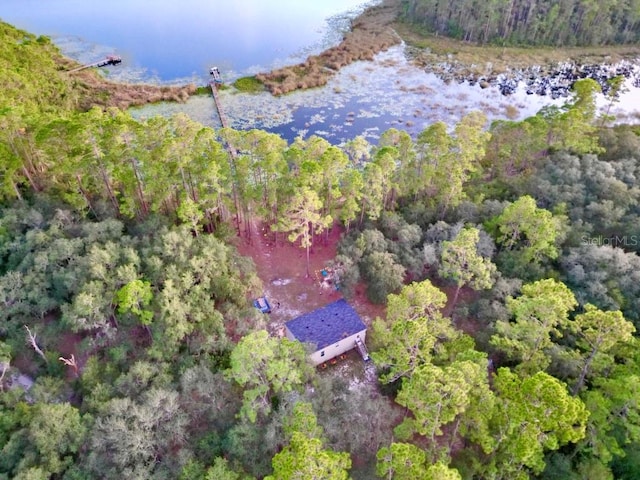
170,41
177,42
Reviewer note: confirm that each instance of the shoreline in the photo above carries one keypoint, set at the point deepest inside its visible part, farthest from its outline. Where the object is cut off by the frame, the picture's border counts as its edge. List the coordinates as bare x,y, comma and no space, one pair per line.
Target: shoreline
379,28
371,32
375,30
438,54
95,90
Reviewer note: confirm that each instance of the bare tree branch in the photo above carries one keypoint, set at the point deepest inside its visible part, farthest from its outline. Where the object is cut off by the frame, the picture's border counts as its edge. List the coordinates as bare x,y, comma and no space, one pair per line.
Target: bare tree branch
70,362
31,339
5,367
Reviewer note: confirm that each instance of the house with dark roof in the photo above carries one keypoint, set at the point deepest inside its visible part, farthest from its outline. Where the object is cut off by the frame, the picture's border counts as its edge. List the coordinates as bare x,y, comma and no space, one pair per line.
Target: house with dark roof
332,330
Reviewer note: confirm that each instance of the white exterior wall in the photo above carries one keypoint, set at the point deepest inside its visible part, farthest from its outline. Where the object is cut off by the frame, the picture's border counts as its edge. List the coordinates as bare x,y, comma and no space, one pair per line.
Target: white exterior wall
332,351
289,334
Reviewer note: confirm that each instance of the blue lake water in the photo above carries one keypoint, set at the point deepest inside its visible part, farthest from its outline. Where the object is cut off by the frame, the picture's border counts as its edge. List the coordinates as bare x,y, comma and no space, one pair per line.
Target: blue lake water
170,40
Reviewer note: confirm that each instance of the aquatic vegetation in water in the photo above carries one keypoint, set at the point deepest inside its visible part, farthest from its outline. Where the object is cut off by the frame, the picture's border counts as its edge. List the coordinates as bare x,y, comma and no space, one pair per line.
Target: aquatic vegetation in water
248,85
366,98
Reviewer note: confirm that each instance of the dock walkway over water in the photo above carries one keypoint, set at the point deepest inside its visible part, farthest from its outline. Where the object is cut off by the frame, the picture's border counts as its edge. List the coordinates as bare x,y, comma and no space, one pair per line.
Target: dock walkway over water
216,99
110,60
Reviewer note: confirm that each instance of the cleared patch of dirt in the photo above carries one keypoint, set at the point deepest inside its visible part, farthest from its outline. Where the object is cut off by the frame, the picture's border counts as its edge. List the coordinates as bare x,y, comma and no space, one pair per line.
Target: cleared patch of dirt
68,343
282,269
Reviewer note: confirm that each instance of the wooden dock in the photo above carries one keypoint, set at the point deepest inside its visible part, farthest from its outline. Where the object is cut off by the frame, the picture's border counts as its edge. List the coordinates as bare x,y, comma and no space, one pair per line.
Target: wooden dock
223,119
110,60
216,99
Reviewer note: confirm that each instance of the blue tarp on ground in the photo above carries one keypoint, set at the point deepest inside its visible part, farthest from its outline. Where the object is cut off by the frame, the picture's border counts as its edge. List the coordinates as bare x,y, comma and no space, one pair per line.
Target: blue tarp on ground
262,304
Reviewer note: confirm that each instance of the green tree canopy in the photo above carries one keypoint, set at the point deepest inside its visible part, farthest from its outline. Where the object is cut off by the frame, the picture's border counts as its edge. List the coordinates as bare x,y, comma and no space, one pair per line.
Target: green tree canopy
304,456
302,218
599,332
266,367
462,263
533,232
533,414
541,314
412,331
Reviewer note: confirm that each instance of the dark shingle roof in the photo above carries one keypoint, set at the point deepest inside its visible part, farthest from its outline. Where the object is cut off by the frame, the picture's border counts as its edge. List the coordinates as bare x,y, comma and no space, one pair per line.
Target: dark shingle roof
327,325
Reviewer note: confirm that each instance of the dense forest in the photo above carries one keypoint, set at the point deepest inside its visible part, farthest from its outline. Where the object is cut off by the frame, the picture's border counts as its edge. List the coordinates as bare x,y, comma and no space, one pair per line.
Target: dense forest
506,256
530,22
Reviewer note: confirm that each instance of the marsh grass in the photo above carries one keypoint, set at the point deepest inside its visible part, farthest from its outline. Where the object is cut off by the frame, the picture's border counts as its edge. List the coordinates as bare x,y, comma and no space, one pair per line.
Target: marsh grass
371,33
378,28
94,89
248,85
511,112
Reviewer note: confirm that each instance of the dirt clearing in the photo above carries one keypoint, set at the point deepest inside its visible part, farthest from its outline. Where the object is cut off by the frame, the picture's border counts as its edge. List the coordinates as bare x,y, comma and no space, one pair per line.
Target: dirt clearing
282,269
